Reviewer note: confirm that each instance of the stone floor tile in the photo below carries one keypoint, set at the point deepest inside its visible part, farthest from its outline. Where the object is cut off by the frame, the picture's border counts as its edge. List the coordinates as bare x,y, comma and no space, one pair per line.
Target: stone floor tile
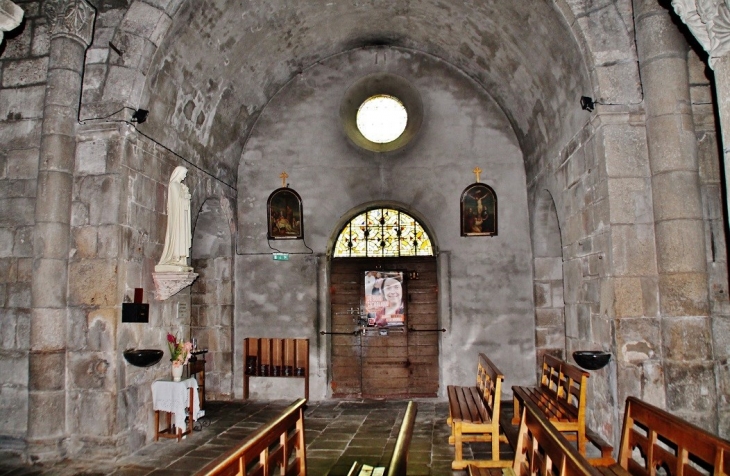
337,433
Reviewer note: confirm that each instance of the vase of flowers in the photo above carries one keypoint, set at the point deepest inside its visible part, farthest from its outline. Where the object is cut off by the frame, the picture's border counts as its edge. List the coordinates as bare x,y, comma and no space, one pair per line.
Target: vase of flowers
179,355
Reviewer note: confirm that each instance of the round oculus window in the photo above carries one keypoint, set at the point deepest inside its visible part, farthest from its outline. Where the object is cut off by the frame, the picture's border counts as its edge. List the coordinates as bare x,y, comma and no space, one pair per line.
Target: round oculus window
382,118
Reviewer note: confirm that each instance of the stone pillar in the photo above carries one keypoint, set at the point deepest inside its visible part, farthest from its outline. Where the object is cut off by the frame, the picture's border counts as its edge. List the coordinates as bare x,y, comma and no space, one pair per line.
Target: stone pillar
708,24
71,29
677,203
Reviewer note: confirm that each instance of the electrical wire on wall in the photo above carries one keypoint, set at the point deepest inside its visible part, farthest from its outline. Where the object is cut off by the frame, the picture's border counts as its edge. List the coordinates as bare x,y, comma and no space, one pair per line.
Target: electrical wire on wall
139,116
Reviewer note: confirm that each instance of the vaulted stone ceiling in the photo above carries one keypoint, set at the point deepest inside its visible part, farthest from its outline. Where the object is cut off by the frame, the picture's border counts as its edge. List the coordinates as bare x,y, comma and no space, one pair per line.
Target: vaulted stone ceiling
221,61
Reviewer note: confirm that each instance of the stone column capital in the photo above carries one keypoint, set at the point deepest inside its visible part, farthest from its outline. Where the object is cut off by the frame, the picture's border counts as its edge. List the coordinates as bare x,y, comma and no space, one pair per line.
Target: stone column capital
709,22
10,17
72,18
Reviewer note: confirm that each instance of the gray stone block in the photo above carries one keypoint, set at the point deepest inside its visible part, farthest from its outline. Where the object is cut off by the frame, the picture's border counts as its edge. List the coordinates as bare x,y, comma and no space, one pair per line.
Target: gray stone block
67,54
49,288
41,45
681,246
13,411
22,103
51,240
22,163
625,150
93,282
146,21
690,387
21,134
18,295
47,415
47,371
6,242
16,212
91,157
24,72
675,196
632,250
91,371
630,200
638,340
687,339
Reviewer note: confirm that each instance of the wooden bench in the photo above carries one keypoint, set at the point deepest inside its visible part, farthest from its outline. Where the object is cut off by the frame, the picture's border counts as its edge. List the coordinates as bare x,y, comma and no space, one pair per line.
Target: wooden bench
561,396
663,440
541,450
398,465
474,415
276,447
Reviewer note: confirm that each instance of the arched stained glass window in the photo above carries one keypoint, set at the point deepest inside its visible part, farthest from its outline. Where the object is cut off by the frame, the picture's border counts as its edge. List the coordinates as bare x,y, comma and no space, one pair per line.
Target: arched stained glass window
383,232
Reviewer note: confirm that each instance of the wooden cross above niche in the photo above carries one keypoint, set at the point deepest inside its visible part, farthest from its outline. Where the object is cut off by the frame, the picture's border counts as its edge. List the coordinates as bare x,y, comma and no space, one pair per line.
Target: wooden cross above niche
283,178
477,171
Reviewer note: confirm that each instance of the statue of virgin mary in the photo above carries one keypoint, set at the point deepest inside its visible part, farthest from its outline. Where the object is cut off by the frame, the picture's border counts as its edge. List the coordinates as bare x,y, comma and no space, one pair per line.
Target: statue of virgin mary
178,236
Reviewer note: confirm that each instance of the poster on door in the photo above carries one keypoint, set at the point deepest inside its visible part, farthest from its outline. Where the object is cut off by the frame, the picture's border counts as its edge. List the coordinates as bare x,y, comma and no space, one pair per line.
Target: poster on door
385,303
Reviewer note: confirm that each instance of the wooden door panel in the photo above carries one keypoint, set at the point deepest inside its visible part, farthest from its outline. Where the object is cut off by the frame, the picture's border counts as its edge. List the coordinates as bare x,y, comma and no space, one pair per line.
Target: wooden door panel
396,364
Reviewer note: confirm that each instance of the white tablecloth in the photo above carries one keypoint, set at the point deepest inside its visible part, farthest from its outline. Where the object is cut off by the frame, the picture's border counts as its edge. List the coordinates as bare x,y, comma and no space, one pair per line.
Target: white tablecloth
173,397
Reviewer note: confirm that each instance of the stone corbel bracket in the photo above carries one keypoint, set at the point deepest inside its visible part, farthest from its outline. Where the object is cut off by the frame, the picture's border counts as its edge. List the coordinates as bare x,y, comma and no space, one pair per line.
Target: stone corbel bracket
10,17
168,284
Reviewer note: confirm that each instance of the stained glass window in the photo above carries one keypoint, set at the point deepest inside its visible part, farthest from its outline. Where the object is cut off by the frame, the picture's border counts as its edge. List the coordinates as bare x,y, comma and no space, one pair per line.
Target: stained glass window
383,232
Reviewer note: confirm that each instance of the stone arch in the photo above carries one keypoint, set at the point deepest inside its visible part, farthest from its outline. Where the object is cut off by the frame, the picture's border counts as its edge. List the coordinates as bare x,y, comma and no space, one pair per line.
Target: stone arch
548,278
211,319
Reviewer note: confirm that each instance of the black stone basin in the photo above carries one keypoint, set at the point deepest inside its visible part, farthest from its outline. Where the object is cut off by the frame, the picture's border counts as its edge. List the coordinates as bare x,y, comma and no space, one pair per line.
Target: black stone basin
591,359
143,357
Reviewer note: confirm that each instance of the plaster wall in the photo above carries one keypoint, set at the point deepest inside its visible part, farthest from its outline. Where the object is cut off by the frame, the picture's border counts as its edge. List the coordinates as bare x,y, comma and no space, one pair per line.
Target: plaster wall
488,281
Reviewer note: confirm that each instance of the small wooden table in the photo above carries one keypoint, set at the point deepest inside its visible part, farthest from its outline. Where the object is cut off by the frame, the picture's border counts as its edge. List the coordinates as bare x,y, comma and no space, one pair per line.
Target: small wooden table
180,399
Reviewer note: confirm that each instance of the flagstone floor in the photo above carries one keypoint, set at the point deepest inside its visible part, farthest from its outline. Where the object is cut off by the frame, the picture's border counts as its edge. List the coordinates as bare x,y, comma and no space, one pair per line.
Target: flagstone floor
337,433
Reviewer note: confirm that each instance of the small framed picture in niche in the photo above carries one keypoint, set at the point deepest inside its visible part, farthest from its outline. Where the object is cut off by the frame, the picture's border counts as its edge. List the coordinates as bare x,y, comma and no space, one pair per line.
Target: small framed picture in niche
284,208
478,211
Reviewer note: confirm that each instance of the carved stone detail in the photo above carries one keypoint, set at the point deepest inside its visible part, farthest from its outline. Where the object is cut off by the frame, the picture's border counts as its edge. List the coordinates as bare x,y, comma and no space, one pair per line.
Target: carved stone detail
10,17
709,22
71,17
169,284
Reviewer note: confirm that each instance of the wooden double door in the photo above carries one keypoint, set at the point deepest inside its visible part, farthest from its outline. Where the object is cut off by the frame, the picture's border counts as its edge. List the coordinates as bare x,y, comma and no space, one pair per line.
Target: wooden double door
384,362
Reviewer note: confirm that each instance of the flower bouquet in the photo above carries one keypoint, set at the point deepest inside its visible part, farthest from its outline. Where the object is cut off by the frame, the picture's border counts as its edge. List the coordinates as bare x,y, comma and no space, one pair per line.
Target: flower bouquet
179,350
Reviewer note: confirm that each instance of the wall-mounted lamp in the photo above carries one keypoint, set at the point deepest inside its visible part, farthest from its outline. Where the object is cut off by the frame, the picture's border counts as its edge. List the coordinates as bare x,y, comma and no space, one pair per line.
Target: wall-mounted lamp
140,115
587,103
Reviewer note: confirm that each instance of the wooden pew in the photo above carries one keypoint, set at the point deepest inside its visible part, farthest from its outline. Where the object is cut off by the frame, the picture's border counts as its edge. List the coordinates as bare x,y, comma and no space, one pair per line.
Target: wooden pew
276,447
398,465
561,396
474,415
666,441
541,450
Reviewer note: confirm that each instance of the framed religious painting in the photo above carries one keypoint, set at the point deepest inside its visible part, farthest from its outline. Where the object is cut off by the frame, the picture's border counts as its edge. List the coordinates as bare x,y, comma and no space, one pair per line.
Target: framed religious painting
385,303
478,211
284,208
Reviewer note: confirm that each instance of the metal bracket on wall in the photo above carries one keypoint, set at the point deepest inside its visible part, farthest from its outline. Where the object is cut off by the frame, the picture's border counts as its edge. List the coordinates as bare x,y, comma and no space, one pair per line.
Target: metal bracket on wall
413,329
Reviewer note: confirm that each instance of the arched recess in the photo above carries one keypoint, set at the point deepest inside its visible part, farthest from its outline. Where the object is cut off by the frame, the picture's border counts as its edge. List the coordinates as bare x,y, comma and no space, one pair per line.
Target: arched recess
369,358
548,278
211,317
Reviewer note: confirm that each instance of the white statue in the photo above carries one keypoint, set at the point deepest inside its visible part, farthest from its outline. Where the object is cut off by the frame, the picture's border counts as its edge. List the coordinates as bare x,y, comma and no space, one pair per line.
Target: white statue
178,236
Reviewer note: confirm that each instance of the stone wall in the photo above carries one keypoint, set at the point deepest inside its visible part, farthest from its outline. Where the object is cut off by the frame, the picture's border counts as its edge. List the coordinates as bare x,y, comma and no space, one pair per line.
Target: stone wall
23,66
488,280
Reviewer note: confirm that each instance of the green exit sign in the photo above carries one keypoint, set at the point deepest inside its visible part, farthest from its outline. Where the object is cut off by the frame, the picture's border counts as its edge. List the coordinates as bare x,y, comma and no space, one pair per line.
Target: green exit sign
281,256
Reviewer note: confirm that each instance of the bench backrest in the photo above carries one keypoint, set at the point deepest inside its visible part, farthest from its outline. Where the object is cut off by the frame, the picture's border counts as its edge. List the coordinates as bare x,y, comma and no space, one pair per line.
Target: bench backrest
398,465
543,450
567,382
489,383
276,447
664,440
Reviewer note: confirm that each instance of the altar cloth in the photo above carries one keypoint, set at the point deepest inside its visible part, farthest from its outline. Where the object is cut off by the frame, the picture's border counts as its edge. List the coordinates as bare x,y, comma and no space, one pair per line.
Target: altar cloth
169,396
